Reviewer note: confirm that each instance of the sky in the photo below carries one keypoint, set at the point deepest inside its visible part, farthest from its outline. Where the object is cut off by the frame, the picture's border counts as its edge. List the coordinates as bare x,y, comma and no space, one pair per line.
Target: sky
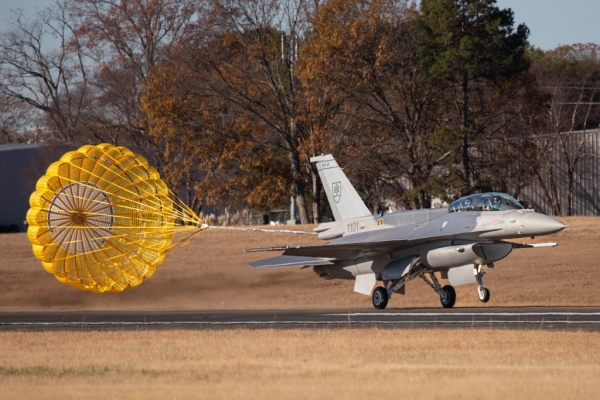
552,22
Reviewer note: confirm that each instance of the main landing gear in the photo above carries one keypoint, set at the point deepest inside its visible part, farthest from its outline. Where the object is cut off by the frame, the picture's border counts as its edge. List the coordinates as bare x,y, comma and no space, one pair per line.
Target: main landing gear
447,293
381,295
380,298
482,292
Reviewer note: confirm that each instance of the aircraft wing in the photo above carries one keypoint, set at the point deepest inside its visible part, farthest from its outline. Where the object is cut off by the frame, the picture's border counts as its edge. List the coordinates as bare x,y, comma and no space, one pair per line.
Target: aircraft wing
345,250
291,261
330,251
361,244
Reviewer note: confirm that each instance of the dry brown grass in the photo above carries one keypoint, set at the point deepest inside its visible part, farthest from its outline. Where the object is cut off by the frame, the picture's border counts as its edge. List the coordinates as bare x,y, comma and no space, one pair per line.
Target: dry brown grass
213,269
322,364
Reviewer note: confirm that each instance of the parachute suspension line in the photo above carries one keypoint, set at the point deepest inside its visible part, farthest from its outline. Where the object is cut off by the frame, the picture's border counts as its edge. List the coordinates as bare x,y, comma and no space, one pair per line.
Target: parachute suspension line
263,230
182,212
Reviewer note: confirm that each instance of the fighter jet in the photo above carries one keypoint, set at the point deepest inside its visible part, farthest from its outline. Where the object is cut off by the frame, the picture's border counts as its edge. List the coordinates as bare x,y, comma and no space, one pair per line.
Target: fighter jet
456,242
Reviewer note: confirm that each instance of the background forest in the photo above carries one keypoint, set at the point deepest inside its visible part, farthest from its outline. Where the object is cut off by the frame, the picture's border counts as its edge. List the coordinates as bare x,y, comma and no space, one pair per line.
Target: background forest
233,97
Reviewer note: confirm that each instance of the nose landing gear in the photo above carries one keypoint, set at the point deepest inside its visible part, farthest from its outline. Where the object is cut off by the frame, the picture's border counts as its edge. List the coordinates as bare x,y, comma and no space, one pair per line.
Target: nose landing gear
482,292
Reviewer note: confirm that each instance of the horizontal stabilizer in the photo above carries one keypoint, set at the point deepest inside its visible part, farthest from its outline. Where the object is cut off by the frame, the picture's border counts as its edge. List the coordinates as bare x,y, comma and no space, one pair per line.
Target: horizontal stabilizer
533,245
291,261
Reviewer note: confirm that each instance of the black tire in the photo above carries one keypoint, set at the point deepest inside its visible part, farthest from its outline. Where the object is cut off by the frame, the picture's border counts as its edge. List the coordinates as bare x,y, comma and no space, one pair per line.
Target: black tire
380,298
450,297
486,295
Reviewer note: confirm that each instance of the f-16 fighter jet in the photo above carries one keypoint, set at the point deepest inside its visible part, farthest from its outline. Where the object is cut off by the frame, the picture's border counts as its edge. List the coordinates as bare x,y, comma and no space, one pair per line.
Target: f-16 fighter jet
456,242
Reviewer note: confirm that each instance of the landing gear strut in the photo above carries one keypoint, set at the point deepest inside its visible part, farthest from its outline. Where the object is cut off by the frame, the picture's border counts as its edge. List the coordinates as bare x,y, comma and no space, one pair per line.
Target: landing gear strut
447,293
482,292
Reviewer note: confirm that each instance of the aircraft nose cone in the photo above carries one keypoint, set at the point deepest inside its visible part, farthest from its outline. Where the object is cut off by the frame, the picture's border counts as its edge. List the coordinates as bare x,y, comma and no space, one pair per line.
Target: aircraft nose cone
540,224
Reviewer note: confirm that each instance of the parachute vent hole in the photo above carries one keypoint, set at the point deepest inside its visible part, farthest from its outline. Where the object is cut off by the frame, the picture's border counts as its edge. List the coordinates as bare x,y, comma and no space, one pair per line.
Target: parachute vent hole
79,218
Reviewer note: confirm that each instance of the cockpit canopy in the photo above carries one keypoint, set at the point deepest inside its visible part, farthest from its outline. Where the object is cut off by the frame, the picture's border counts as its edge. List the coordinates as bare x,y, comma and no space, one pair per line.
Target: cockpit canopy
493,201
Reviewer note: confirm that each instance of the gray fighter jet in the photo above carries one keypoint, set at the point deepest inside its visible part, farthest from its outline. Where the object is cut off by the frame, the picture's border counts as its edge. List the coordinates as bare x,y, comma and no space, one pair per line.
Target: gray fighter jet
395,248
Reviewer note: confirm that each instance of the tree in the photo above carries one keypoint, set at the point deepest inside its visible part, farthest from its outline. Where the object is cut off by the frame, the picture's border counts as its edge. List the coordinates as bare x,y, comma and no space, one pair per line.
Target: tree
250,63
367,53
113,114
196,146
473,44
506,159
124,39
53,81
14,120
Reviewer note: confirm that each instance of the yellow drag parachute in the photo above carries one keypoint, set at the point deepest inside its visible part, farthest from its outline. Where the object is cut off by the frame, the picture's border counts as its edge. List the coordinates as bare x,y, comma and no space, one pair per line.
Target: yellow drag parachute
101,219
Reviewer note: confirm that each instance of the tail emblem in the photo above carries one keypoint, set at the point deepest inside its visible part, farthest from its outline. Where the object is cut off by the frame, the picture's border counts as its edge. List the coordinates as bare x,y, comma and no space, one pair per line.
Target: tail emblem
337,191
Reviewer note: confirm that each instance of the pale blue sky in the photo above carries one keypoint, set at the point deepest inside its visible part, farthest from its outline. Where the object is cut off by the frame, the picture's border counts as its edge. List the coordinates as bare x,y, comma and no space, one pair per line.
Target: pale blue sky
556,22
552,22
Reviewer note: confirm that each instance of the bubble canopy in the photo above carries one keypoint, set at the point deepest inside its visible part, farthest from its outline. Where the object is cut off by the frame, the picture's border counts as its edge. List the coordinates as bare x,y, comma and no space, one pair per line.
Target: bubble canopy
493,201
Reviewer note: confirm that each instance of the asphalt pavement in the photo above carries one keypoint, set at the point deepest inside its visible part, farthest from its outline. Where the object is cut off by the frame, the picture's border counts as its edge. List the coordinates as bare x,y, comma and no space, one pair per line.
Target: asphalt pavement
531,318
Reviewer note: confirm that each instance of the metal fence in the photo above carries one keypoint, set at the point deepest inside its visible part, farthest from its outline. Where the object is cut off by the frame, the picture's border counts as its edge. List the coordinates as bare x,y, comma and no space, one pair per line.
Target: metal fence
586,182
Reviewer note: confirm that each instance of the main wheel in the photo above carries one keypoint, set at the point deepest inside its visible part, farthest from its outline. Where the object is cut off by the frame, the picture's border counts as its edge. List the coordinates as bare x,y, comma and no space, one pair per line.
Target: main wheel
449,297
380,298
484,294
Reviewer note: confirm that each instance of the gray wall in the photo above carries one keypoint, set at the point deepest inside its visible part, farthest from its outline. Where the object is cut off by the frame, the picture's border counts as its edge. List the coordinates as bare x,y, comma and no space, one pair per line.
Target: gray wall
21,165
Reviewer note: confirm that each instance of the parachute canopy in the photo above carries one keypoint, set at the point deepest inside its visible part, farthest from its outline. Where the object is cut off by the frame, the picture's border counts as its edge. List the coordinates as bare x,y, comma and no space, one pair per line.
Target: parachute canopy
101,219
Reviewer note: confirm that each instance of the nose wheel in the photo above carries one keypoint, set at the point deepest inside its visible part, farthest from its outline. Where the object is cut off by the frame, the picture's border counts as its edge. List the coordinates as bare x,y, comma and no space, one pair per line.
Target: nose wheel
484,294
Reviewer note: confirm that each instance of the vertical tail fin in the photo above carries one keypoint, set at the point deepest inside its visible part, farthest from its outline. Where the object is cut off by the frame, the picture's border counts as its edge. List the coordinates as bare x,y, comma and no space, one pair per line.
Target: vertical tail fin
343,198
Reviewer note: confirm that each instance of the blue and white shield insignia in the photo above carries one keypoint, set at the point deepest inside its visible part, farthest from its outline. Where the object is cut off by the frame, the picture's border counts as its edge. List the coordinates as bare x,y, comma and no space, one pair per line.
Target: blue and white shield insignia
337,191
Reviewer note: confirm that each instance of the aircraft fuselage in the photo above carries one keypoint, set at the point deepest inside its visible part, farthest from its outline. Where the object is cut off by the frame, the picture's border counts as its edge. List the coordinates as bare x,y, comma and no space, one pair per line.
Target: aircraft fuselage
441,239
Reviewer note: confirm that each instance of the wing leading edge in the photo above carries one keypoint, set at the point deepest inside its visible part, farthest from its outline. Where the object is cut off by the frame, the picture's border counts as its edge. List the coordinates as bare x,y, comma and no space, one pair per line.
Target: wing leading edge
291,261
330,251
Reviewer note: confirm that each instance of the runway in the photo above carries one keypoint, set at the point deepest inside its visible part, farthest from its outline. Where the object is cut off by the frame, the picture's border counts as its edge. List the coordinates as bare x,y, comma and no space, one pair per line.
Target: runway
547,318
